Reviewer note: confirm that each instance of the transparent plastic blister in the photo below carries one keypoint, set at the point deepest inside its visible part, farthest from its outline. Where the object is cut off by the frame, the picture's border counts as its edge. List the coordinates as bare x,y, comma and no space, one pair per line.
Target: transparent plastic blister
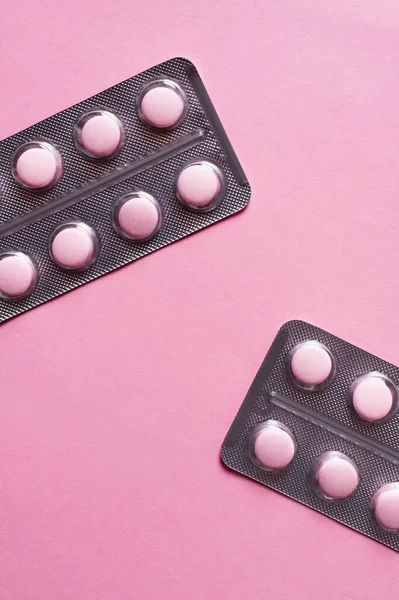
162,104
99,134
18,275
137,216
200,185
74,246
37,165
332,449
110,180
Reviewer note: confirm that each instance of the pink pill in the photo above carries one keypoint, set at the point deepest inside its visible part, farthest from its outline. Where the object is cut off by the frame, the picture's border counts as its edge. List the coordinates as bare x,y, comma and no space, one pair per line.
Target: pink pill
273,446
311,364
137,216
372,397
162,104
336,476
74,246
99,134
385,506
199,185
18,275
37,165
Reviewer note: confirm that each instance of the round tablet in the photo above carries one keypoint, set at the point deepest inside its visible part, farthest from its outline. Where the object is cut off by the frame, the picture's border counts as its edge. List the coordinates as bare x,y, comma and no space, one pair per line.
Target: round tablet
37,165
162,104
373,397
17,275
74,246
311,364
385,506
273,446
336,476
199,185
137,216
99,134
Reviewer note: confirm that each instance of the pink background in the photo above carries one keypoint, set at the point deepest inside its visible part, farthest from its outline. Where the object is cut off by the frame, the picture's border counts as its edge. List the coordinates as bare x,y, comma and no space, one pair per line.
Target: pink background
115,398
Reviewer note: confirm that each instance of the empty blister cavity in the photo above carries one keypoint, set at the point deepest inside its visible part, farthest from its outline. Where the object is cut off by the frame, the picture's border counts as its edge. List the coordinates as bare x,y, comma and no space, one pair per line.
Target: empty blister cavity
137,216
272,446
374,397
37,165
18,275
74,246
99,134
385,507
334,476
162,104
311,365
200,185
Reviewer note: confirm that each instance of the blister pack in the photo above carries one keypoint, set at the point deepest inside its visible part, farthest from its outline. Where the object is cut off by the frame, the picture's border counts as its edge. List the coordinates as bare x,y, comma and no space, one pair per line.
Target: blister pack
110,180
320,424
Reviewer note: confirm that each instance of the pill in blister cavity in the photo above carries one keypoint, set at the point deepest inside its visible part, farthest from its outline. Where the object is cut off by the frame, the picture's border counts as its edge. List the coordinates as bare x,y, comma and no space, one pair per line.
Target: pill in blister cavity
200,185
115,142
18,275
334,476
74,246
385,507
346,433
37,165
137,216
272,445
311,365
162,104
99,134
374,397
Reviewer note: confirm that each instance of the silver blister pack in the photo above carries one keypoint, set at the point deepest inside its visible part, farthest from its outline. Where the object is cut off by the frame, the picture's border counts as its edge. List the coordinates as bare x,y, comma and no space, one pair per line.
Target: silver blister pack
109,180
320,424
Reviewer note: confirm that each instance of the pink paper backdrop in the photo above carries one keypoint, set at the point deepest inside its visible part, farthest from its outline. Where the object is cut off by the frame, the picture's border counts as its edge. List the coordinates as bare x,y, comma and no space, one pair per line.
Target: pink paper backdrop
115,399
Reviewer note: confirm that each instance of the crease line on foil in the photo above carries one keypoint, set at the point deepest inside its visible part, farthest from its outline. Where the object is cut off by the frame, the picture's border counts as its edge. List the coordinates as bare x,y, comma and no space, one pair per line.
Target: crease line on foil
336,428
100,184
